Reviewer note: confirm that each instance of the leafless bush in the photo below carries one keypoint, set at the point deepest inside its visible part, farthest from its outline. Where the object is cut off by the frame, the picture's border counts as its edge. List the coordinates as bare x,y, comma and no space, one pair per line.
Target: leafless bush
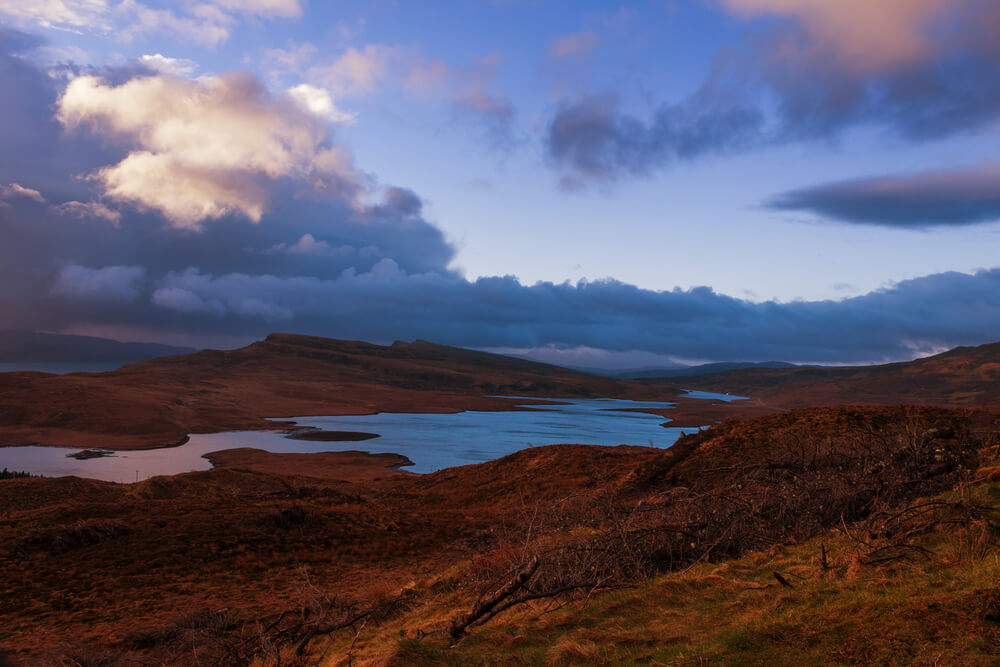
60,539
802,480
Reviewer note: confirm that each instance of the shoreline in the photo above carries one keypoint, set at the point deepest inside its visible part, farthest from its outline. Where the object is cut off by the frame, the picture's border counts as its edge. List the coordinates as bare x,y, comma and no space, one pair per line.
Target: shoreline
682,412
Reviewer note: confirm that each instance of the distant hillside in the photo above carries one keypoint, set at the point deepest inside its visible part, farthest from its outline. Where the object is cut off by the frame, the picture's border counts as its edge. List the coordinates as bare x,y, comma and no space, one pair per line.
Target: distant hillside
702,369
677,371
31,346
965,376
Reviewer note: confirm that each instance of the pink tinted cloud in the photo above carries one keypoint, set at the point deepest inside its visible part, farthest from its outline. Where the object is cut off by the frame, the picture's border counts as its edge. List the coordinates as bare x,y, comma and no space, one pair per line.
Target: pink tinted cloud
576,45
863,35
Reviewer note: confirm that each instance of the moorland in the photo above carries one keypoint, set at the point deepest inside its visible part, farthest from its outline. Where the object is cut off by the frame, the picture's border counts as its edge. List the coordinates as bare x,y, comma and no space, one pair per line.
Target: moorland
845,515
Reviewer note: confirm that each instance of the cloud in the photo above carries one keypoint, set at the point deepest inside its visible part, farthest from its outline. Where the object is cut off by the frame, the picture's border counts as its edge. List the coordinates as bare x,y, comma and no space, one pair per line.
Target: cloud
40,240
208,23
293,60
918,69
387,303
357,72
319,103
204,149
863,35
164,65
471,91
283,8
108,283
15,190
332,266
576,45
593,140
928,199
59,14
93,210
185,301
309,245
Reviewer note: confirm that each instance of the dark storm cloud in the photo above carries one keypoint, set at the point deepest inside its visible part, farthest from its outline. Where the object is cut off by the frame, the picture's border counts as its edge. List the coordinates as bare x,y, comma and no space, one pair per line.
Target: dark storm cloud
782,85
386,303
914,201
32,141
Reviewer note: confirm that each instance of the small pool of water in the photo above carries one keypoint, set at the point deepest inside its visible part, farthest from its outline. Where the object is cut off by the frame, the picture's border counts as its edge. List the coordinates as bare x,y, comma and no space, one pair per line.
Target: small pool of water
431,441
691,393
61,368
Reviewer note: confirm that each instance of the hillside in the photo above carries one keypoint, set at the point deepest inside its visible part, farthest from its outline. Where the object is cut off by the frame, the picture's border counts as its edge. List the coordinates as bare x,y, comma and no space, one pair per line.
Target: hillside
962,377
350,562
701,369
158,402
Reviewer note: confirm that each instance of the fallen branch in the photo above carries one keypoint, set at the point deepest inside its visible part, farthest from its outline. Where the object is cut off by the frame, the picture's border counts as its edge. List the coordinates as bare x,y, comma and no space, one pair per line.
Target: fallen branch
781,580
485,606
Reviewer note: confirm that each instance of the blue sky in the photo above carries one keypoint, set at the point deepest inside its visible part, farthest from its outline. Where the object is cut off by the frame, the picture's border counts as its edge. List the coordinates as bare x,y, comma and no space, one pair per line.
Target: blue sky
587,182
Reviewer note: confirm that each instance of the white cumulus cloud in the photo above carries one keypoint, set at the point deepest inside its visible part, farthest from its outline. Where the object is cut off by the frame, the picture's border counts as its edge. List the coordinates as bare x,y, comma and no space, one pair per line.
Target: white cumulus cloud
207,148
318,102
165,65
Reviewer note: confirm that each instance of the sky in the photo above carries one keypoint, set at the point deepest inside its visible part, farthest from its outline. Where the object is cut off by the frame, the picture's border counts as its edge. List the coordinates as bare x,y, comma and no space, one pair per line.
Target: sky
590,183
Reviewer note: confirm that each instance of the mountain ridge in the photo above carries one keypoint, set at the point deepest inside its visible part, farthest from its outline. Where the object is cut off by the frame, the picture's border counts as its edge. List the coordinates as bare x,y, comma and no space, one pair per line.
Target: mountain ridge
21,345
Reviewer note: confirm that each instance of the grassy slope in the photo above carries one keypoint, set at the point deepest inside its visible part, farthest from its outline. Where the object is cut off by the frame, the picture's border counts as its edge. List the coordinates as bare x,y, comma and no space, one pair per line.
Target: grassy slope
926,611
185,566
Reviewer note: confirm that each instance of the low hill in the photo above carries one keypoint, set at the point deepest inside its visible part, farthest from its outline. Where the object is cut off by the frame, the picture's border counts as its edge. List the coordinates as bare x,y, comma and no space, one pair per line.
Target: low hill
962,377
17,346
158,402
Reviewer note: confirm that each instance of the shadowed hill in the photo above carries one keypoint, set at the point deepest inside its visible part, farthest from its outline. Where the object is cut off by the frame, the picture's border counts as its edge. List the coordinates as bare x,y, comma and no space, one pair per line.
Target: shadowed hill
963,377
158,402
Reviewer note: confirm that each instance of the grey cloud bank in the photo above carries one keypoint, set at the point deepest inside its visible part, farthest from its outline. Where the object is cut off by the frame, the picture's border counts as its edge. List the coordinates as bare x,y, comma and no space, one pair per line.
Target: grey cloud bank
943,198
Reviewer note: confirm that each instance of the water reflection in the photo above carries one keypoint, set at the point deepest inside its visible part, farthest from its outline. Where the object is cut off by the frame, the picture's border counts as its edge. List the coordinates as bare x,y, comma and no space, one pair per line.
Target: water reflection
431,441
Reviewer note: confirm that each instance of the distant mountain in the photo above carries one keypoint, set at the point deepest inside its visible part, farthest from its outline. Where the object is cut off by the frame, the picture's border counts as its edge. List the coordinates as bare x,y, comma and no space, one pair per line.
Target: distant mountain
627,373
18,346
701,369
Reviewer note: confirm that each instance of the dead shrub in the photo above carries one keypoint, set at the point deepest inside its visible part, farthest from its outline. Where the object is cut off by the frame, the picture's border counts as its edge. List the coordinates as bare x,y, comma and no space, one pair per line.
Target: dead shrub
288,518
61,539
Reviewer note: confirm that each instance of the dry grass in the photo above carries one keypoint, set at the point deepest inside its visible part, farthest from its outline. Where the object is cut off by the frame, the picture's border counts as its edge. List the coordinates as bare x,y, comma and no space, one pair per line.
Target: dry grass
231,566
943,609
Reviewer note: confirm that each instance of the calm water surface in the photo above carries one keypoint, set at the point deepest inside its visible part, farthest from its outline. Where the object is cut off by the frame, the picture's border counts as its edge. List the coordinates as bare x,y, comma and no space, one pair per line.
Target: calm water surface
61,368
431,441
691,393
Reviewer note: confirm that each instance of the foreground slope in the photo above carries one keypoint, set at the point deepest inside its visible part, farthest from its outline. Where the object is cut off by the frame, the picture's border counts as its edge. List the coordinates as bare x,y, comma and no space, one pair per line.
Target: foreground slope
246,562
158,402
962,377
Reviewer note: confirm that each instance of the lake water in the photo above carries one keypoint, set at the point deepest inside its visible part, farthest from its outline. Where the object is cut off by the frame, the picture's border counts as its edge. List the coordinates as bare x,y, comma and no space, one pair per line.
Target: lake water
61,367
431,441
691,393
